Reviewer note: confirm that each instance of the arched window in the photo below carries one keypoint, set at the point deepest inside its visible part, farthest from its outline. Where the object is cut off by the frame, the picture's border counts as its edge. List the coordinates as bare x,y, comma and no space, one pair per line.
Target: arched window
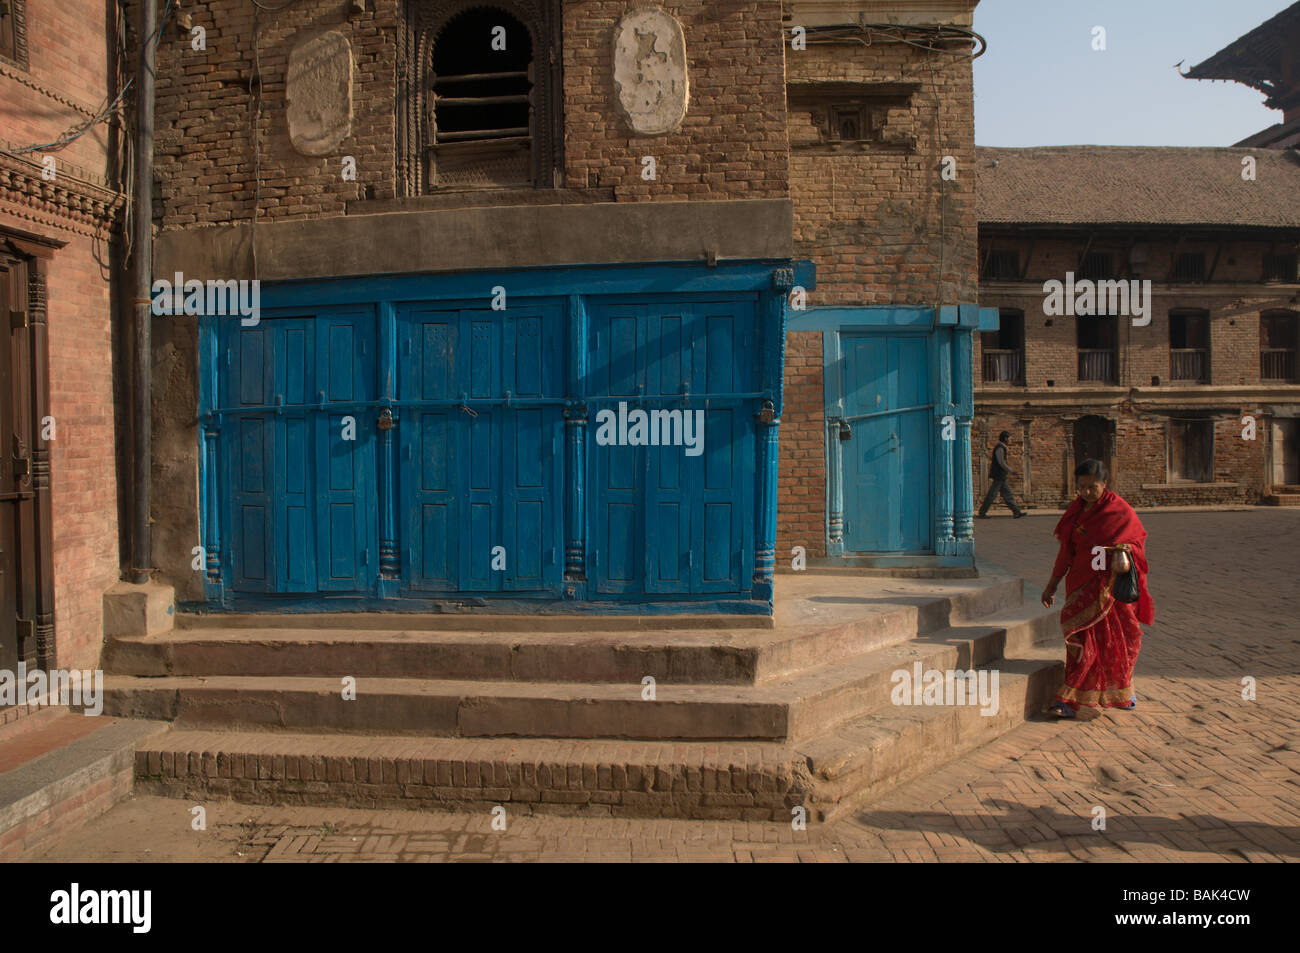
480,89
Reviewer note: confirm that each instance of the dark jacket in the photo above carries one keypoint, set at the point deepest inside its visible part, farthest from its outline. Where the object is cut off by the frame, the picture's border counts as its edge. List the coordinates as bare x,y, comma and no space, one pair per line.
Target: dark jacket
998,468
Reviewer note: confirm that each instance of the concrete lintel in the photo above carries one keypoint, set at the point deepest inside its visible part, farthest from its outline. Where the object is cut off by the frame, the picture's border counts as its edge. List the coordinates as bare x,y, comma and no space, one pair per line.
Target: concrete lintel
476,239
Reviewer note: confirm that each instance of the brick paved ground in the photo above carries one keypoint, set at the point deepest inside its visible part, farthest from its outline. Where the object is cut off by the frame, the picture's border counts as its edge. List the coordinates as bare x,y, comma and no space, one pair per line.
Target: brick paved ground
1196,773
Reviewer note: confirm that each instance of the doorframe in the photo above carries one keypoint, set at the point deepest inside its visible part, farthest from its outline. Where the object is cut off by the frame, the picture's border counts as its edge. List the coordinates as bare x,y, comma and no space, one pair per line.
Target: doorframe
951,331
33,254
833,359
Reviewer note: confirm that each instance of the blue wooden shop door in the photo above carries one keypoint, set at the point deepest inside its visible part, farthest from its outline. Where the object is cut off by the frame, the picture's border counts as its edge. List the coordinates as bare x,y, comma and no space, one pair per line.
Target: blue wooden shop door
886,463
480,440
300,494
664,520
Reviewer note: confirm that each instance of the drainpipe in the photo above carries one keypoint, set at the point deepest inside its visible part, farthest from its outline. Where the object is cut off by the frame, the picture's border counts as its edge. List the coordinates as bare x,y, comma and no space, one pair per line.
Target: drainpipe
142,244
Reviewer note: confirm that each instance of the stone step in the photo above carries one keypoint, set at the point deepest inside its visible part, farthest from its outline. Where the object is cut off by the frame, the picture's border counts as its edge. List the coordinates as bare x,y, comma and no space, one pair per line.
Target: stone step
842,624
754,780
866,756
823,697
1282,499
794,706
59,771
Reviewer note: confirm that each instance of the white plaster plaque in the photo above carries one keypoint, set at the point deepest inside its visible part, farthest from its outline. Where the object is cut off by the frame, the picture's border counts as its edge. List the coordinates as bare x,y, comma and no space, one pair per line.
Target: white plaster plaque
650,74
318,94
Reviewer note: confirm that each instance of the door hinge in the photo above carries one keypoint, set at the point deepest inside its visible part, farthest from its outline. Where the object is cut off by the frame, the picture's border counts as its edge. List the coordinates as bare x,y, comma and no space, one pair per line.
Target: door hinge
26,629
17,319
22,467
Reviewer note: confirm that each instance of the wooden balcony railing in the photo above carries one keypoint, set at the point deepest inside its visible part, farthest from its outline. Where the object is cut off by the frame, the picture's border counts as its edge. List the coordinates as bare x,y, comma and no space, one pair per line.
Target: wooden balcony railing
1097,365
1003,367
1277,364
1189,364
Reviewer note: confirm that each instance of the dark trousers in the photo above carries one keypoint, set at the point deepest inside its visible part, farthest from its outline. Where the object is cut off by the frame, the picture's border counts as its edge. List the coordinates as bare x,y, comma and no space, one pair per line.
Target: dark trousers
996,487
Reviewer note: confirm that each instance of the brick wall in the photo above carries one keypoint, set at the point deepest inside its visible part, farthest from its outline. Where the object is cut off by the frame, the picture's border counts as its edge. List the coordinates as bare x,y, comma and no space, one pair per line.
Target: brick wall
731,145
873,224
64,85
1144,399
873,221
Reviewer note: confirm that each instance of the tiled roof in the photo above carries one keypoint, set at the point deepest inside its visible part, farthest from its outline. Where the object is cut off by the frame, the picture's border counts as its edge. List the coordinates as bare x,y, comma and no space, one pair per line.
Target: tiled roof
1149,185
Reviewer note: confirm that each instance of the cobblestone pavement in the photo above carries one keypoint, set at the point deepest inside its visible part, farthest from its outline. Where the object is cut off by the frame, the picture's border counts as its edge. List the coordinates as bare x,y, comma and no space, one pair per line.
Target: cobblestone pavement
1196,773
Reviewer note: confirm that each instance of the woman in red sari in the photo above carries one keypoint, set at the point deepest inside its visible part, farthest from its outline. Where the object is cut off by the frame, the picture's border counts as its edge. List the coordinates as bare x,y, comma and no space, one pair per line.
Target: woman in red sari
1102,635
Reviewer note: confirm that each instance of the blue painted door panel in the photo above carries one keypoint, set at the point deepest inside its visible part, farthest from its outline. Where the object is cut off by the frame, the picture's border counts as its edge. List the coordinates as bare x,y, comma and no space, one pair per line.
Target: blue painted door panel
301,497
480,449
886,463
664,521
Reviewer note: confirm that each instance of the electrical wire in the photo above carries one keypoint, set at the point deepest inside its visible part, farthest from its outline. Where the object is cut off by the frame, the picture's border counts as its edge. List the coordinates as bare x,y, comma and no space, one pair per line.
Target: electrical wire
864,34
104,112
255,81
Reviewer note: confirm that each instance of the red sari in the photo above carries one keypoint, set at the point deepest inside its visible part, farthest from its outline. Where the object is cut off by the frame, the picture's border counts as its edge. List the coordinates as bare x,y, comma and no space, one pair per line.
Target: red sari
1102,635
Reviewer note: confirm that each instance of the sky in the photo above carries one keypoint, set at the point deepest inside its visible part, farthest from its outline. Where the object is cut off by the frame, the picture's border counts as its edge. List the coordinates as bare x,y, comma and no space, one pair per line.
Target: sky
1041,82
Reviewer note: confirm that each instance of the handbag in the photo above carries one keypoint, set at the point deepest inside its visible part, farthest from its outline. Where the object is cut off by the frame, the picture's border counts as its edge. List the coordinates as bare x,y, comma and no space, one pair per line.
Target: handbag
1126,587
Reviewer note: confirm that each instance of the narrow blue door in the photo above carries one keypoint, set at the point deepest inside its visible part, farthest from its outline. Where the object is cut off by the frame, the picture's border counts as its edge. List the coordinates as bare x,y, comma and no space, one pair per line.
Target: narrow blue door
480,437
298,453
674,512
886,462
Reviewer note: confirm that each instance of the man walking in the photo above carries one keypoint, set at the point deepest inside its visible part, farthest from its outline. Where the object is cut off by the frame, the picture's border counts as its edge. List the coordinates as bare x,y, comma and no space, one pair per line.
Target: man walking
998,473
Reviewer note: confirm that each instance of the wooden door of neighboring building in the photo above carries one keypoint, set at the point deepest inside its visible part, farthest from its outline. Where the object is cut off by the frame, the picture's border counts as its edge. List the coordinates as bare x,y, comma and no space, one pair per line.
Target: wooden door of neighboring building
1093,440
9,499
18,562
1286,452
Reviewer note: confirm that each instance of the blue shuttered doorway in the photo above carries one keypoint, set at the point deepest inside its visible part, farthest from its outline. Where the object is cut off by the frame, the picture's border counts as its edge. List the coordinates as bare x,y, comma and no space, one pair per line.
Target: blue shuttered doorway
886,461
480,438
301,500
663,520
479,472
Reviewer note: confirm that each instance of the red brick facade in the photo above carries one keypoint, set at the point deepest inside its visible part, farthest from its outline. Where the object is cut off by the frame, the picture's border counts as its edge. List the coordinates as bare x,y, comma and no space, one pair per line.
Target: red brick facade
62,86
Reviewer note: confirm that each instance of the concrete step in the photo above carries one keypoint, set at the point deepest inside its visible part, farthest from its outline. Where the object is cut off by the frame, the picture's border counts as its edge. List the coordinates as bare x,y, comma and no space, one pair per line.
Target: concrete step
866,756
451,708
60,770
794,706
846,620
823,697
826,776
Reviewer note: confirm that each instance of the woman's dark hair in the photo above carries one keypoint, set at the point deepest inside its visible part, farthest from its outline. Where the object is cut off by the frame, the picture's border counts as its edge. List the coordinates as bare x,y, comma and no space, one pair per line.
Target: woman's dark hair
1004,436
1093,468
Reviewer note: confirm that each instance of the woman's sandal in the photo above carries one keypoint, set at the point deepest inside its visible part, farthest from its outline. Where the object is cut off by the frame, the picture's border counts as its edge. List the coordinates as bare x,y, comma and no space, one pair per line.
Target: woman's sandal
1062,710
1132,703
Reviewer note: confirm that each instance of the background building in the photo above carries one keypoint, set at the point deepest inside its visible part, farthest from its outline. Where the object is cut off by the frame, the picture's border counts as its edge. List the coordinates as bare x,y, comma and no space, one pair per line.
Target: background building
1198,406
1267,59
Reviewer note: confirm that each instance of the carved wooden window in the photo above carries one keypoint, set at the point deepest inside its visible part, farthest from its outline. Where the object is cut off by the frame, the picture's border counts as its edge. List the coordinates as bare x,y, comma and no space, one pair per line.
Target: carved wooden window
13,32
851,116
481,90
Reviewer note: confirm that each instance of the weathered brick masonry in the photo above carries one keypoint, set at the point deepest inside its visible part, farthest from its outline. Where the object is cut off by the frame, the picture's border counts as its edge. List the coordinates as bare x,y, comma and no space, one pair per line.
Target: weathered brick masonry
874,223
731,144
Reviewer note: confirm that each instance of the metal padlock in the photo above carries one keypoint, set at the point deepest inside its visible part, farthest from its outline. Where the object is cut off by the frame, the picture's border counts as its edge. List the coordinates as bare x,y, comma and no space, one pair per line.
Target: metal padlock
846,432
